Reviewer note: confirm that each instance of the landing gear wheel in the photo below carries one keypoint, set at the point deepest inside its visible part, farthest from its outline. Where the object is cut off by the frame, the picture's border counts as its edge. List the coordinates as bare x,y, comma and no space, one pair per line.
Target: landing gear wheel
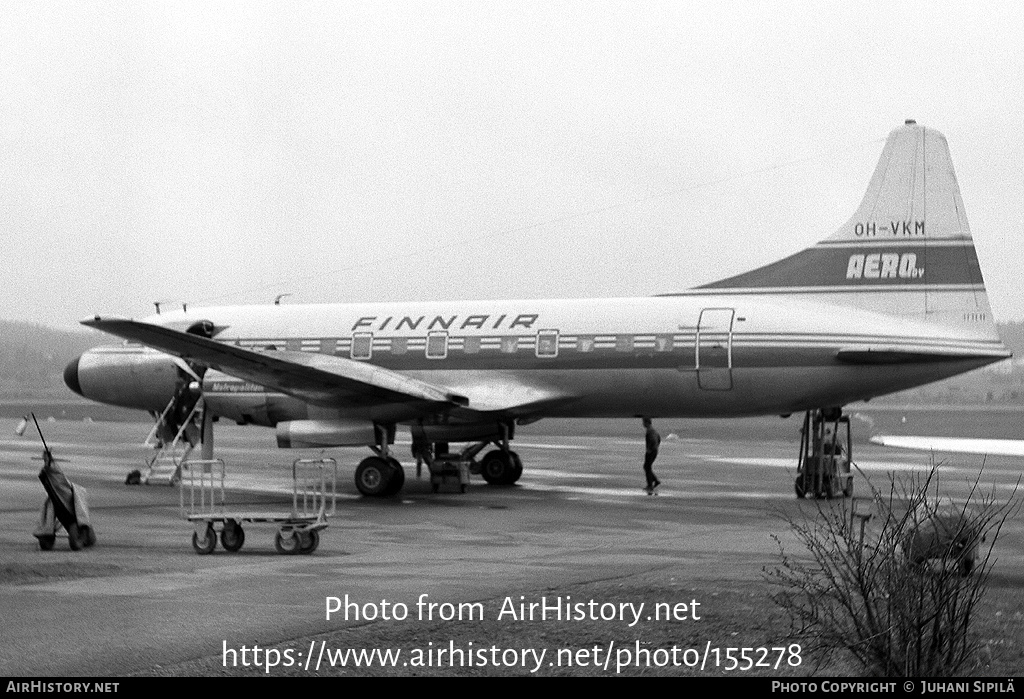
207,543
232,537
308,541
498,468
286,542
517,467
90,536
46,542
397,476
374,476
848,488
799,488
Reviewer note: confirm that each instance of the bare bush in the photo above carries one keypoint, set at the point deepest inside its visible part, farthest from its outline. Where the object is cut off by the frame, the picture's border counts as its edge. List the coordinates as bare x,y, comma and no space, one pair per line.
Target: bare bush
898,590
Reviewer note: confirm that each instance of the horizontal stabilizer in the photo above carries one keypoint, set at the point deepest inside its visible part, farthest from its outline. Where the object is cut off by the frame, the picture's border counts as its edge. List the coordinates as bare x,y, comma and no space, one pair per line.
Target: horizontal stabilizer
956,445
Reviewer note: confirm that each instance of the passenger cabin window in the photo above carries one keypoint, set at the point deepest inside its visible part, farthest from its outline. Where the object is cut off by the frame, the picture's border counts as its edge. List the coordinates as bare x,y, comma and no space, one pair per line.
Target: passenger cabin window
362,345
547,343
203,328
437,345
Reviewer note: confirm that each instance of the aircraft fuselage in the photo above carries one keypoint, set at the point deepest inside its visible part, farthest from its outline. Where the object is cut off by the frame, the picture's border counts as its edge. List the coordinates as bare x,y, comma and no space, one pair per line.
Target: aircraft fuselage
701,355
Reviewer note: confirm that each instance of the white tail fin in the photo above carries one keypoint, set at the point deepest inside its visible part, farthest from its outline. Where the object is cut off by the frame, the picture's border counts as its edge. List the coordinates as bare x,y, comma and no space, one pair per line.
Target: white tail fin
907,251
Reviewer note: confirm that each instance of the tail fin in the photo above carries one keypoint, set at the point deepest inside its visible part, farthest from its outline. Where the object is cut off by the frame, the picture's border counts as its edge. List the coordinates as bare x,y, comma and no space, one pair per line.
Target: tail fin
907,251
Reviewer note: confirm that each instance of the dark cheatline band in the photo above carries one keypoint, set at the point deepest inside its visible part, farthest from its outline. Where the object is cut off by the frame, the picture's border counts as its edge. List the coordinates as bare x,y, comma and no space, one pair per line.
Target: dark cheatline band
861,264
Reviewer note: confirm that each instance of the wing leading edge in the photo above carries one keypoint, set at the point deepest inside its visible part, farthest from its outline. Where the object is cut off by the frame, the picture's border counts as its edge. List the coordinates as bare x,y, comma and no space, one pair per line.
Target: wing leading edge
331,381
315,378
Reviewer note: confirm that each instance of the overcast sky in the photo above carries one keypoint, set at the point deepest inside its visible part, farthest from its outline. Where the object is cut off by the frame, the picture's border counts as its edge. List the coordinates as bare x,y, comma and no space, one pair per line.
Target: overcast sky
342,151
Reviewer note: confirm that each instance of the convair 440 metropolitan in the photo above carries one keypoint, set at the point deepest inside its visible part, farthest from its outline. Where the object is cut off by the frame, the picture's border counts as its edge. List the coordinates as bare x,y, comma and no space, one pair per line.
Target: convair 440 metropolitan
894,299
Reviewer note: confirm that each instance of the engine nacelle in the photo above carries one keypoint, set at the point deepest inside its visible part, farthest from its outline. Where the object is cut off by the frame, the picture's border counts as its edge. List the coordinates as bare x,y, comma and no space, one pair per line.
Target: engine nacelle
126,375
298,434
249,403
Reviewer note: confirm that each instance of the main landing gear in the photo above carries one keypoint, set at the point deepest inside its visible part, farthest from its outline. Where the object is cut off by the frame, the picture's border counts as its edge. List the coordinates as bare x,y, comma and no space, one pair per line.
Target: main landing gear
379,476
826,454
501,467
382,475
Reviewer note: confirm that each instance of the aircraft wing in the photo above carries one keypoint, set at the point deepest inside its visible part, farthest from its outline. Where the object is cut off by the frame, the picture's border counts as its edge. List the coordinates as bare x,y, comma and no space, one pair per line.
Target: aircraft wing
994,447
496,392
314,378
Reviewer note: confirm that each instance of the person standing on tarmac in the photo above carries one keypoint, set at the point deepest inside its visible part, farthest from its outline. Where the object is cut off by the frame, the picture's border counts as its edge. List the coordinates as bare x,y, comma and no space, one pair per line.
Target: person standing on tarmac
653,441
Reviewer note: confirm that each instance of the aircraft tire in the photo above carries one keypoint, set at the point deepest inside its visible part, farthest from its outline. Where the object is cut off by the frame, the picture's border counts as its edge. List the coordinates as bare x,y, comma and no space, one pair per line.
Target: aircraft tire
798,487
232,537
374,476
207,544
498,468
517,467
397,476
46,542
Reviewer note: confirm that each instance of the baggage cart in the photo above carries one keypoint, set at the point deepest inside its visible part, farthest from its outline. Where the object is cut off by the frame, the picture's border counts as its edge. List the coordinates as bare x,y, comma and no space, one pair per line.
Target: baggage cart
314,497
66,506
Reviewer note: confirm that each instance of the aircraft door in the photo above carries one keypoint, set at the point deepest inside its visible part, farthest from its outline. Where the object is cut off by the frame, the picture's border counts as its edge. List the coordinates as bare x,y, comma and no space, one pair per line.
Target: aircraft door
714,349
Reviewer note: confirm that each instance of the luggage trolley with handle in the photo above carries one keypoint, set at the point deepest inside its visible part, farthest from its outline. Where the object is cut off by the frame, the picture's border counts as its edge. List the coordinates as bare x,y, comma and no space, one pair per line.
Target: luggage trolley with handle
314,496
66,504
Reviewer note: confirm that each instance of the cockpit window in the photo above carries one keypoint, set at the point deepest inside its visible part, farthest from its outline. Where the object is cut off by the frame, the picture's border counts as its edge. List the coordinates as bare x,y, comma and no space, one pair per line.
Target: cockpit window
202,328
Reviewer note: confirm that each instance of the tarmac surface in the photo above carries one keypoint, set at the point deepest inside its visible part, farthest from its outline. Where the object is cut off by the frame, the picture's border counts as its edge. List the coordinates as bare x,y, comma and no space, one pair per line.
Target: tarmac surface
143,599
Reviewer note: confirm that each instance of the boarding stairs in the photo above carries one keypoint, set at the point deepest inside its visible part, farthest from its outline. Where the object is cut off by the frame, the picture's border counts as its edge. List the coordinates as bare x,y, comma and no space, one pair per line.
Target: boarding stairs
164,467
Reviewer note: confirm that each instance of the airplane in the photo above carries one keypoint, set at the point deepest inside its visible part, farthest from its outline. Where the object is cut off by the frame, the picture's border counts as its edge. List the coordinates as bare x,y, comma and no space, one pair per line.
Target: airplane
892,300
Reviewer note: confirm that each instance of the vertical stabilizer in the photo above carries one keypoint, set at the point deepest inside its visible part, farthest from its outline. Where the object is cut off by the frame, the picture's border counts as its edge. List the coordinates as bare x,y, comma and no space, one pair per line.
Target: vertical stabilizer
907,251
913,194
